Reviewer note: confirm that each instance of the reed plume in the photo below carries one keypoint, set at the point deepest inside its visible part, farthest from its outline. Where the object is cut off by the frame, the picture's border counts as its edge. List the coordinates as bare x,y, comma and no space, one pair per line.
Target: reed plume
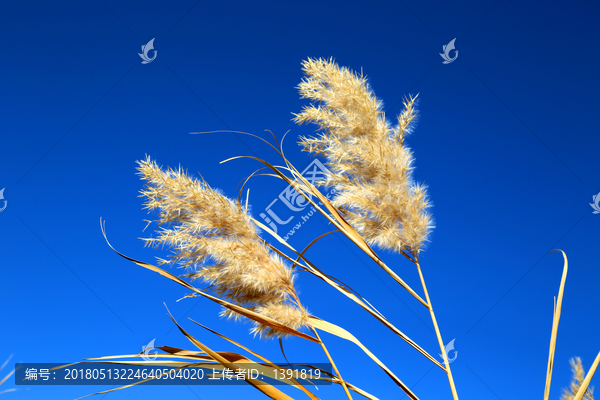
213,237
370,166
578,377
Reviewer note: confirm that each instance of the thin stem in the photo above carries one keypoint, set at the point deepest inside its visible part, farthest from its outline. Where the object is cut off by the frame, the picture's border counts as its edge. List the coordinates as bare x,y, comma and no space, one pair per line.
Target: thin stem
438,334
332,364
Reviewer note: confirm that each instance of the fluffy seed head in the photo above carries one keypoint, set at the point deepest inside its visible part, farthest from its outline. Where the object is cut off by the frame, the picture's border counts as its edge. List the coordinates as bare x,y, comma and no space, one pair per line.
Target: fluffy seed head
578,377
214,238
370,166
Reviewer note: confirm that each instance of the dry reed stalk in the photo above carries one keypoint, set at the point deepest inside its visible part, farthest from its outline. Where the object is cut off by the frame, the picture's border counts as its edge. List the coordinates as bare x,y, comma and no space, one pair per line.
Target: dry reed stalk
579,387
588,378
439,336
371,168
555,322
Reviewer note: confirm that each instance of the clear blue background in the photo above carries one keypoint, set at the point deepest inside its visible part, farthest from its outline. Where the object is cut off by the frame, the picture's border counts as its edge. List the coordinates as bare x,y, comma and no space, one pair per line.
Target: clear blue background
507,142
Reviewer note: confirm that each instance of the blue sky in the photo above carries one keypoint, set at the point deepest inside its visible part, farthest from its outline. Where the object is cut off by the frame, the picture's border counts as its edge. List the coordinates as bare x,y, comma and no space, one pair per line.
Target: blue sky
507,142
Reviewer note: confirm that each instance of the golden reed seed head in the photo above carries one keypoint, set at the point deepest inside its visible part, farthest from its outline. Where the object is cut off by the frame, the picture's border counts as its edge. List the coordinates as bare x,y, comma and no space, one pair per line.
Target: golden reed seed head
370,166
578,378
214,238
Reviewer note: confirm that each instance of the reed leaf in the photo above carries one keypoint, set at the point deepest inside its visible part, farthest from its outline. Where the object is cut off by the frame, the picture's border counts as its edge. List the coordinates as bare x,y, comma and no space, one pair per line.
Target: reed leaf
344,334
555,321
307,190
364,304
294,381
234,307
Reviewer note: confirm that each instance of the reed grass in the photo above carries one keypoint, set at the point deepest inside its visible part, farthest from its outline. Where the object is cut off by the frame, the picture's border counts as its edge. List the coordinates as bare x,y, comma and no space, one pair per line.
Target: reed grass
371,167
216,241
378,204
